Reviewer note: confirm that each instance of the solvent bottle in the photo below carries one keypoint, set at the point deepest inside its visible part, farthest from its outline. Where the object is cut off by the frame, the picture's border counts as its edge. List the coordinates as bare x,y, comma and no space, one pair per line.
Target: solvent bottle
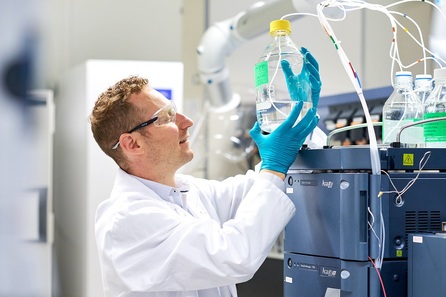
403,107
273,102
423,87
435,107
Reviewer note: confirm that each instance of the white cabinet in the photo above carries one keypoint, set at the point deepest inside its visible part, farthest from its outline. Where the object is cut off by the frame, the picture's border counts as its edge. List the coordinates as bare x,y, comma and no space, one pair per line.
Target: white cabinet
84,175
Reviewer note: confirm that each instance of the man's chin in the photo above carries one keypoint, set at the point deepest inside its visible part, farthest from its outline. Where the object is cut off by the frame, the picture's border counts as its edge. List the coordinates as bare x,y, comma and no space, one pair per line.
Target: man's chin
187,165
189,156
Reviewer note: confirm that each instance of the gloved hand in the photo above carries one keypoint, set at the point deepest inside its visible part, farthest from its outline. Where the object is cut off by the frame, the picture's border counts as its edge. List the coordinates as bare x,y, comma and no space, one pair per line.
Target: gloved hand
279,149
296,83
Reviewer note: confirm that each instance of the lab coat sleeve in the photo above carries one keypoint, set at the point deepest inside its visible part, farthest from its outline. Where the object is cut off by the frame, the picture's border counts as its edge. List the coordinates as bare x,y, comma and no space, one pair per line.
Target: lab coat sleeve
154,246
226,196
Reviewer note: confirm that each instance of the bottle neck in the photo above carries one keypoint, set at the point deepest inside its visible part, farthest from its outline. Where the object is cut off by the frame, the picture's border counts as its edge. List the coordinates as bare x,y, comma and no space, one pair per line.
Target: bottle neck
403,85
279,33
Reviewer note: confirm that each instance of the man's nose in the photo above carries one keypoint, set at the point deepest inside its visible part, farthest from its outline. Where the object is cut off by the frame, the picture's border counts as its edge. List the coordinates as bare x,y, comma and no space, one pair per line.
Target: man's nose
183,121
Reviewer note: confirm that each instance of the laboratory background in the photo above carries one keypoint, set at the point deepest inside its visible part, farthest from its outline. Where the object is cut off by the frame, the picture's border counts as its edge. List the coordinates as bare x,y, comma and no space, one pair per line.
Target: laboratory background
363,233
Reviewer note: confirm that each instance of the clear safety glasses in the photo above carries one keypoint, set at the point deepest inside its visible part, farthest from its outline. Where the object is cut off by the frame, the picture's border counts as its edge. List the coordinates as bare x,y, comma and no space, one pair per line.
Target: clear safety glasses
165,115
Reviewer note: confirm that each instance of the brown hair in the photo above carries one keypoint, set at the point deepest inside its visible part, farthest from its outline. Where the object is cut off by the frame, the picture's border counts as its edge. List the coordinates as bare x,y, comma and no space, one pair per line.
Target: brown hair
113,115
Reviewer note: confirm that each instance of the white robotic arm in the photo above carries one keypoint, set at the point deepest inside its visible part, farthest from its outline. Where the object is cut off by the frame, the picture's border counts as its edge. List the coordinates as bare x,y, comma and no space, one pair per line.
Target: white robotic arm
222,38
225,130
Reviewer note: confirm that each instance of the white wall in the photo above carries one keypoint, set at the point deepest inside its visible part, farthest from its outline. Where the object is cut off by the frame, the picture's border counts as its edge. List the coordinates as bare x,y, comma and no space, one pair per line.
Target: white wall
110,29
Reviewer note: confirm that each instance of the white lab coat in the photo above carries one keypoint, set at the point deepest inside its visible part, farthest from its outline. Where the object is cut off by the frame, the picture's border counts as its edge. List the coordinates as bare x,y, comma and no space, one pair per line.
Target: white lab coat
149,246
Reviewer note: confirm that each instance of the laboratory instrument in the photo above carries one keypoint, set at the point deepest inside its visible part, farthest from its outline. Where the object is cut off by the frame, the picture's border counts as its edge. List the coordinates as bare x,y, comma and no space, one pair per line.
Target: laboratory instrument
351,227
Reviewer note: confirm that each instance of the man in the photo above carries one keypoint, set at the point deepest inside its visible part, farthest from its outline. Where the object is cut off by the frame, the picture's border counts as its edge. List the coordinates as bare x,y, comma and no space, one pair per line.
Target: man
165,234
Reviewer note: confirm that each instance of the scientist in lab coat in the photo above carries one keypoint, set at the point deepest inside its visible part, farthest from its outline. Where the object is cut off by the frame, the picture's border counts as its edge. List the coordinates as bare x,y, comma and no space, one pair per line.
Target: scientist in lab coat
165,234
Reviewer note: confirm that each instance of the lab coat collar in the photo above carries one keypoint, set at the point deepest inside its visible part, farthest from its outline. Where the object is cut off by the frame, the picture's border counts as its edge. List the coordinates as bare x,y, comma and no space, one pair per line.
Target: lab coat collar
176,195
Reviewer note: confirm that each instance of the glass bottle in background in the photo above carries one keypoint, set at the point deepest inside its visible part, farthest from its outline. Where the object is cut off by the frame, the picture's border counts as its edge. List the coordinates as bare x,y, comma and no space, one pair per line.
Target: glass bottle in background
273,102
403,107
423,87
435,106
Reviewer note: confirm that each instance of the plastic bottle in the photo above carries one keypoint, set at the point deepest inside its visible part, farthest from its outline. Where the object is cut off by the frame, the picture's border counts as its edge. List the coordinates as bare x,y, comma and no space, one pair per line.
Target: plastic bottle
273,102
435,133
423,87
403,107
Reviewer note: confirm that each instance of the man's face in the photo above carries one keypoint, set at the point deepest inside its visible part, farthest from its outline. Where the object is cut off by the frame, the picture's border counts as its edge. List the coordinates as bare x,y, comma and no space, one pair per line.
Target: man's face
167,144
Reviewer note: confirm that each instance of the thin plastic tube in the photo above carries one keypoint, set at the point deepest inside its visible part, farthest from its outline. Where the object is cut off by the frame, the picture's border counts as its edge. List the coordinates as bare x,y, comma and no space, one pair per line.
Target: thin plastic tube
354,78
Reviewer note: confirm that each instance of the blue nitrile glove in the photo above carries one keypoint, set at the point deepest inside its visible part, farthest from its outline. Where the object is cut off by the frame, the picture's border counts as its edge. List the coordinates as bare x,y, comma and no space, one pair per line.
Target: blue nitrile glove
310,71
279,149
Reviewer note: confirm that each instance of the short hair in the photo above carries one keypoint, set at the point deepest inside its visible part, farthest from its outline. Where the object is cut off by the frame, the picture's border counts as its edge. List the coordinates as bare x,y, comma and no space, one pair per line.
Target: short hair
113,115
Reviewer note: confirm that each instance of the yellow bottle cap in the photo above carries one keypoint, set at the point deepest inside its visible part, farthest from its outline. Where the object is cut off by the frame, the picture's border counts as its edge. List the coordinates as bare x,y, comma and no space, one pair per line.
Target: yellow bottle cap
282,25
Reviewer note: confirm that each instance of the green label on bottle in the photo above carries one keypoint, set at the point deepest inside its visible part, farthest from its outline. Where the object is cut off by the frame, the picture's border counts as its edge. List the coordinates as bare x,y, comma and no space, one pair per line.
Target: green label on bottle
261,73
435,131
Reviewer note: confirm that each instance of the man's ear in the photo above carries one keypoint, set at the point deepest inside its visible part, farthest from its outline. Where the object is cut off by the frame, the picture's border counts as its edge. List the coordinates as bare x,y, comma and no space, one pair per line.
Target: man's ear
130,143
